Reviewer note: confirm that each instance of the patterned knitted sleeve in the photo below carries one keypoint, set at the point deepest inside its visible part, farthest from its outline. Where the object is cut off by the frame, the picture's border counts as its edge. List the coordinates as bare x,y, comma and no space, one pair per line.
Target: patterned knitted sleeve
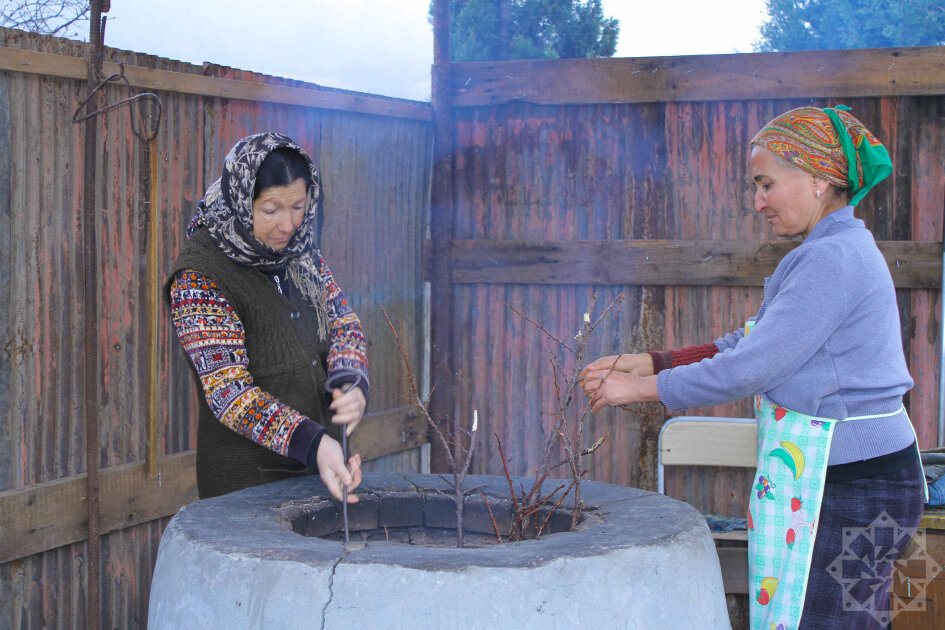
213,337
347,356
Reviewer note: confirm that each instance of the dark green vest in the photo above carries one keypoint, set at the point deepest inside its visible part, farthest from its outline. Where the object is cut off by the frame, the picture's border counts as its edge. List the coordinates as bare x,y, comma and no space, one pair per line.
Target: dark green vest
286,359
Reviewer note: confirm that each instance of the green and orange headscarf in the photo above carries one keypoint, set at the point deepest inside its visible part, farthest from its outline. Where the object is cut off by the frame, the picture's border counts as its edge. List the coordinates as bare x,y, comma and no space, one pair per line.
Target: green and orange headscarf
831,144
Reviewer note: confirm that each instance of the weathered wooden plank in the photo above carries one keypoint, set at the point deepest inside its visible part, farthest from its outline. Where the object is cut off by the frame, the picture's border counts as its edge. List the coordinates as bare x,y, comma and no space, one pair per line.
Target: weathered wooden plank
802,74
17,60
933,518
913,264
734,564
387,432
442,220
6,287
50,515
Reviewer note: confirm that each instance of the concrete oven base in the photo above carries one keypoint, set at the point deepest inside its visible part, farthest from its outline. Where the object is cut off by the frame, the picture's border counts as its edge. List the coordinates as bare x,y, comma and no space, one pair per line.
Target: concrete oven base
638,560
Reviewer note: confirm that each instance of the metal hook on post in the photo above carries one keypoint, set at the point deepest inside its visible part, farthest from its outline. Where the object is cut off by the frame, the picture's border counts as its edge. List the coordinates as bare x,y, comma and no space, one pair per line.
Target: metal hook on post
120,76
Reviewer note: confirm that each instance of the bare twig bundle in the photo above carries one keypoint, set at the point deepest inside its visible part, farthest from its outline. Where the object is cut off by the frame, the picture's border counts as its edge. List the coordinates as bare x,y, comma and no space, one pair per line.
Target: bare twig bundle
568,433
459,455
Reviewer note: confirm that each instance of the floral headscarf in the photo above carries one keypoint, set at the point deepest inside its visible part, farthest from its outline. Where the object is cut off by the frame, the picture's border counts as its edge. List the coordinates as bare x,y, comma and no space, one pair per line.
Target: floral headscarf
226,210
831,144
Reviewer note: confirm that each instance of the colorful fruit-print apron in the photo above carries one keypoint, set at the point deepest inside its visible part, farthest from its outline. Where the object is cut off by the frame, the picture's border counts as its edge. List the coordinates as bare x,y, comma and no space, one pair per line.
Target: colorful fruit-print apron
793,449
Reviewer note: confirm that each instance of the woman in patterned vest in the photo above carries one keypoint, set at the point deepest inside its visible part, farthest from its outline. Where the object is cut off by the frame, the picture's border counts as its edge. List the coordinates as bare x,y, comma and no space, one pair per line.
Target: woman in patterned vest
277,353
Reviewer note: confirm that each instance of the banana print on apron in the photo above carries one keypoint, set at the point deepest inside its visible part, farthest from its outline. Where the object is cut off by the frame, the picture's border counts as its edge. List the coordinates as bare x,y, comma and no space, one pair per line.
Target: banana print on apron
788,488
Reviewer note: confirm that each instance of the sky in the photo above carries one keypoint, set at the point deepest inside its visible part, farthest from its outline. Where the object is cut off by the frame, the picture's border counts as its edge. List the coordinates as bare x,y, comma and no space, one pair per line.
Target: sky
386,46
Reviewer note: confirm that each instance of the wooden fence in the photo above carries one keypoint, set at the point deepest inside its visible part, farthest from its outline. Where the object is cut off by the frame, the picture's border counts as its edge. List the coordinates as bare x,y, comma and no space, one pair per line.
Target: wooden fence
375,157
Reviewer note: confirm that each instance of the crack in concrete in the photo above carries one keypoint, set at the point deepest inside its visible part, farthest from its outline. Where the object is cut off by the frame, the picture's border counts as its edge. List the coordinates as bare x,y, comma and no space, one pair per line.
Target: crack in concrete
331,581
331,586
331,578
415,487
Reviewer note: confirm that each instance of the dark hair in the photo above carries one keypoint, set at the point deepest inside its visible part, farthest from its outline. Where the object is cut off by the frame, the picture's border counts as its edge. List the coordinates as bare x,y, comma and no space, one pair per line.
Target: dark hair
280,168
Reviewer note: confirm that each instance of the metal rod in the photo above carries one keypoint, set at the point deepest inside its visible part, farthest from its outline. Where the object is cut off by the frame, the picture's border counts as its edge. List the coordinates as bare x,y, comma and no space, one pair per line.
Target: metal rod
154,286
90,304
344,487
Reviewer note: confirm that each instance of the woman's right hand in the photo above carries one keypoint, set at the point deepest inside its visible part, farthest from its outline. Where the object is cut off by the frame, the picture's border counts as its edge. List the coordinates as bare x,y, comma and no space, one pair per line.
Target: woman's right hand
635,364
335,475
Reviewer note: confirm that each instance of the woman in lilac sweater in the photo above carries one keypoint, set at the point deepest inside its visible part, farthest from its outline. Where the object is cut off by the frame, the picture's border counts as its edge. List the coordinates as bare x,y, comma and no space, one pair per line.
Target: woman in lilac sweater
824,357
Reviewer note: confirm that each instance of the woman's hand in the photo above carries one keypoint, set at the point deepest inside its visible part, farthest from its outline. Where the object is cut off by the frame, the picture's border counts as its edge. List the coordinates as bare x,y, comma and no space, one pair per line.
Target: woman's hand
637,364
348,407
335,475
607,387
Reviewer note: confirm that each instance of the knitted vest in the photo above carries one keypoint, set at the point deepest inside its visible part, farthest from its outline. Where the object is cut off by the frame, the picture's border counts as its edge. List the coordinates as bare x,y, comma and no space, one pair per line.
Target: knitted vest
286,359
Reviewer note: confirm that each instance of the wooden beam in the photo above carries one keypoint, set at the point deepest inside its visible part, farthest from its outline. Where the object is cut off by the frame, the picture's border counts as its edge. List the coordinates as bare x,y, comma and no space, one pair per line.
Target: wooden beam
933,518
50,515
834,74
913,264
18,60
442,219
387,432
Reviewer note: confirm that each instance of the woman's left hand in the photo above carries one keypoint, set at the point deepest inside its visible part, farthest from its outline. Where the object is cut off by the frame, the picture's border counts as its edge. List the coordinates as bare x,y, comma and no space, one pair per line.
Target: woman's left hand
348,407
607,387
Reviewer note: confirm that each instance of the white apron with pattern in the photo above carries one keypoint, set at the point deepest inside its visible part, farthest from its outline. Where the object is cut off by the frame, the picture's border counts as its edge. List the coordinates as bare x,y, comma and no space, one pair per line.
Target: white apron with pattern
793,449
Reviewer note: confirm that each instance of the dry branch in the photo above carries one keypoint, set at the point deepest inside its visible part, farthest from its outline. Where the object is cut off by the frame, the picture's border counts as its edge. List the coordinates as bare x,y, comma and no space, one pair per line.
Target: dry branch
569,435
498,534
458,455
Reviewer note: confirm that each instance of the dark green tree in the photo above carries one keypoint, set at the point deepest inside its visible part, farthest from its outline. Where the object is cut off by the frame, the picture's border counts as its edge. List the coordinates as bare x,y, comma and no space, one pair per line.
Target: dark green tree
839,24
485,30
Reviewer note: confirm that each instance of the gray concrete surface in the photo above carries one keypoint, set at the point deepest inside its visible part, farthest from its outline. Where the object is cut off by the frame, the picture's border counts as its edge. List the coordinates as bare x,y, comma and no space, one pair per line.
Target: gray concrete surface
640,560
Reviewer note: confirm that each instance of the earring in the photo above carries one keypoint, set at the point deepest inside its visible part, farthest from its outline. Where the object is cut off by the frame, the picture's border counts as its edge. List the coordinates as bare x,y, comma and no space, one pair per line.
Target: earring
818,194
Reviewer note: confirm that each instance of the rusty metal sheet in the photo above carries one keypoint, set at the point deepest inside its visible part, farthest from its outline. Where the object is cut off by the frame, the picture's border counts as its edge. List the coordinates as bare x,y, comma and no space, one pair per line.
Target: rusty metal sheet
543,173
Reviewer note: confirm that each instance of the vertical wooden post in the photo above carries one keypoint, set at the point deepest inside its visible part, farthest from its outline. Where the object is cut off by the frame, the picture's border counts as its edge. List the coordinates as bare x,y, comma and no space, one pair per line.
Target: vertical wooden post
441,227
941,345
90,304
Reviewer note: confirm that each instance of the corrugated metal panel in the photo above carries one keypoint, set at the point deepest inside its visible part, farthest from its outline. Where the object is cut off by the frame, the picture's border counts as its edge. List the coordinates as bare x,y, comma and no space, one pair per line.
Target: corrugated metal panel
44,281
382,195
541,173
45,326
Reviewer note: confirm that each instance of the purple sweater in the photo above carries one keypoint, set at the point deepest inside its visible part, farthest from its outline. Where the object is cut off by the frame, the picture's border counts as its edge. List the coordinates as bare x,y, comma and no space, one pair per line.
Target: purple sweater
826,343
